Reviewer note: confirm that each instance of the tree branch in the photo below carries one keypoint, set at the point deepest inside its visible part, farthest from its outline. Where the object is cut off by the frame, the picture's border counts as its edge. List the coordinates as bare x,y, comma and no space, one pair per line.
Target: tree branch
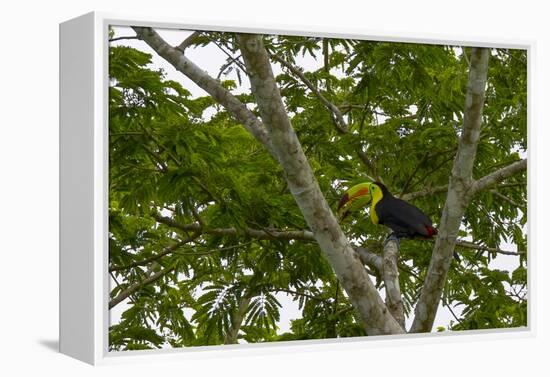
479,185
367,257
369,164
188,41
370,259
498,176
229,56
297,293
212,86
509,201
391,281
432,171
122,38
156,159
341,124
168,250
305,190
413,174
470,245
458,194
269,234
425,192
136,287
516,184
212,251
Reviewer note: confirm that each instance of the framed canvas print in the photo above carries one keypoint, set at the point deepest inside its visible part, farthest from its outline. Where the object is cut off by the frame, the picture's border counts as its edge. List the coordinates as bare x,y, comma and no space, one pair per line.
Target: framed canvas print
228,188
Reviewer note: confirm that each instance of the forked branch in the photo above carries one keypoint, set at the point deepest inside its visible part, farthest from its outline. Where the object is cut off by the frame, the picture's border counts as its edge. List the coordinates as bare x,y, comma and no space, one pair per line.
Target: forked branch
305,190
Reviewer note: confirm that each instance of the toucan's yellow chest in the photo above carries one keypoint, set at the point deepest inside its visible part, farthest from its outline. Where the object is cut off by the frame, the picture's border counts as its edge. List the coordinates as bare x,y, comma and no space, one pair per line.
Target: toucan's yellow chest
376,197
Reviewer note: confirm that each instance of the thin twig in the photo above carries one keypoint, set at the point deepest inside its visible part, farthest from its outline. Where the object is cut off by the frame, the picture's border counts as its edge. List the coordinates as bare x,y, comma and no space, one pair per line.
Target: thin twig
431,171
411,176
170,249
507,199
517,184
197,216
122,38
227,64
369,164
341,124
136,287
453,313
470,245
128,133
291,292
212,251
156,158
160,145
238,62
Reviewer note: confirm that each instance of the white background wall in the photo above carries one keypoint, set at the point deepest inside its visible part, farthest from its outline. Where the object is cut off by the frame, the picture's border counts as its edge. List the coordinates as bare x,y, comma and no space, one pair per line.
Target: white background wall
29,186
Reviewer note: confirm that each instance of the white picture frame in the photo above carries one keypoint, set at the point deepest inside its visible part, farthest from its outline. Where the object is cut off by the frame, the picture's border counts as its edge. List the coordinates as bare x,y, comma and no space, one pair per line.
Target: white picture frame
84,284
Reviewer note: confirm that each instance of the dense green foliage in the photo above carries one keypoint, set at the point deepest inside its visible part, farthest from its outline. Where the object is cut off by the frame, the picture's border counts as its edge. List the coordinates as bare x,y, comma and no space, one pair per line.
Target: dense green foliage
190,191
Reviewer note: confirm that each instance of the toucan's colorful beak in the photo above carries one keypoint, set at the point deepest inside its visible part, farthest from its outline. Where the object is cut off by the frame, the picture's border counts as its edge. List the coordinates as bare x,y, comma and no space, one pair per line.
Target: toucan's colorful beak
353,199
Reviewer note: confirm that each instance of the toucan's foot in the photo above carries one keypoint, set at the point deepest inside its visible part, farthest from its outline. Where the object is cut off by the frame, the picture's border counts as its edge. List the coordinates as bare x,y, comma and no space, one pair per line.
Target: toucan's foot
392,237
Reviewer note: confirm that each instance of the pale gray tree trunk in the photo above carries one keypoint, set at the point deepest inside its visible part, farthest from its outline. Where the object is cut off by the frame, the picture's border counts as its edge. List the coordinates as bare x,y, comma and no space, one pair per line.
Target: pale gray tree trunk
308,196
458,194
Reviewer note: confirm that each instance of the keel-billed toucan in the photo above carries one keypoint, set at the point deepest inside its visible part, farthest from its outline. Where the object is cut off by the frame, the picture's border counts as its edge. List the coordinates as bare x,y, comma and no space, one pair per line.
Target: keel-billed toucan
404,219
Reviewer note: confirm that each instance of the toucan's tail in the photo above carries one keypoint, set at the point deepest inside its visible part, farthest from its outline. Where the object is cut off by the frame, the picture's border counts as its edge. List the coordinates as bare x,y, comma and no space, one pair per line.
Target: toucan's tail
431,231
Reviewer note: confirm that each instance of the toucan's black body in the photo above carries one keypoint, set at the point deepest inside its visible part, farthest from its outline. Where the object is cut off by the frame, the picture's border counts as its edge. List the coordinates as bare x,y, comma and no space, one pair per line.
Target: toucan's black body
406,220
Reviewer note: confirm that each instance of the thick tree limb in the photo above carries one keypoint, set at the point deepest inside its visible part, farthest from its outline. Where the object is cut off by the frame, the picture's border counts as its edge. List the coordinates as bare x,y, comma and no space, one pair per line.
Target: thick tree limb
370,259
188,41
498,176
305,190
390,275
458,194
212,86
479,185
341,124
